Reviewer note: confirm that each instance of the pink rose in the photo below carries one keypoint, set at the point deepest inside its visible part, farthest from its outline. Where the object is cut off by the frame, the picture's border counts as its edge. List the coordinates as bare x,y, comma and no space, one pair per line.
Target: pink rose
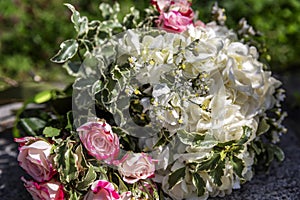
34,157
175,15
51,190
174,21
183,6
99,140
103,190
136,166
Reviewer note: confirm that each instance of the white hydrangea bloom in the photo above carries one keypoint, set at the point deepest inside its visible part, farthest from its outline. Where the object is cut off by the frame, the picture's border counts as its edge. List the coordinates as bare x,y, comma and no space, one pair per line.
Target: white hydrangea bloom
206,82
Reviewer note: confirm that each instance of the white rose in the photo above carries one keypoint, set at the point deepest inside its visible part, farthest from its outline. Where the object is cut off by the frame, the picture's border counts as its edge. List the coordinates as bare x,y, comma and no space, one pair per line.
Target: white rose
136,166
253,87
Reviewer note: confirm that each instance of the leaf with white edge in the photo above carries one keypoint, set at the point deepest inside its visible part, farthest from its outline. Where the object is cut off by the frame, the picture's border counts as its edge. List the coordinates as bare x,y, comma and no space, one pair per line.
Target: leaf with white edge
32,124
119,131
80,23
67,50
50,131
238,165
109,26
66,160
106,10
74,195
81,162
218,172
75,16
208,144
247,131
176,176
89,178
199,184
109,12
190,138
70,169
163,139
131,20
210,163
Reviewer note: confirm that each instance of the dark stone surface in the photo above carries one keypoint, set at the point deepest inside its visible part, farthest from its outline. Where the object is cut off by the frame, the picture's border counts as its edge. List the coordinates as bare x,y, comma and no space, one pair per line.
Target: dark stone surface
11,187
282,182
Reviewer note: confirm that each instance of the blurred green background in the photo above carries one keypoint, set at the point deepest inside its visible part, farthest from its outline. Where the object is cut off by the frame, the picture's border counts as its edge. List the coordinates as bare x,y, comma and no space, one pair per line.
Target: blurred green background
31,31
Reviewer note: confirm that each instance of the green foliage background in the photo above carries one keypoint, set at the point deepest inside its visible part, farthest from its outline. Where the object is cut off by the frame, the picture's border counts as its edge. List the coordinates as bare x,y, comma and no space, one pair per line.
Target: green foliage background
31,31
277,20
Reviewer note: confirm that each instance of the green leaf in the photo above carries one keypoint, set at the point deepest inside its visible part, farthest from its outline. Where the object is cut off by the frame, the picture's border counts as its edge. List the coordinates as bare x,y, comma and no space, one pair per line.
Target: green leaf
229,143
238,165
210,163
119,131
51,132
257,147
89,178
67,50
176,176
69,126
31,125
263,127
199,184
43,96
218,172
247,131
279,154
270,154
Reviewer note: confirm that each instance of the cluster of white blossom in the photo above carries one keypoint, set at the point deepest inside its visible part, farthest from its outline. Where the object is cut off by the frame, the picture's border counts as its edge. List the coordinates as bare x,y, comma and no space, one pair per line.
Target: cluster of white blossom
202,81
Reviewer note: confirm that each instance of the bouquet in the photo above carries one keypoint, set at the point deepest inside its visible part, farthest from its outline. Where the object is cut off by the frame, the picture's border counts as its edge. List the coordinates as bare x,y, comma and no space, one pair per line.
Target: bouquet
163,106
